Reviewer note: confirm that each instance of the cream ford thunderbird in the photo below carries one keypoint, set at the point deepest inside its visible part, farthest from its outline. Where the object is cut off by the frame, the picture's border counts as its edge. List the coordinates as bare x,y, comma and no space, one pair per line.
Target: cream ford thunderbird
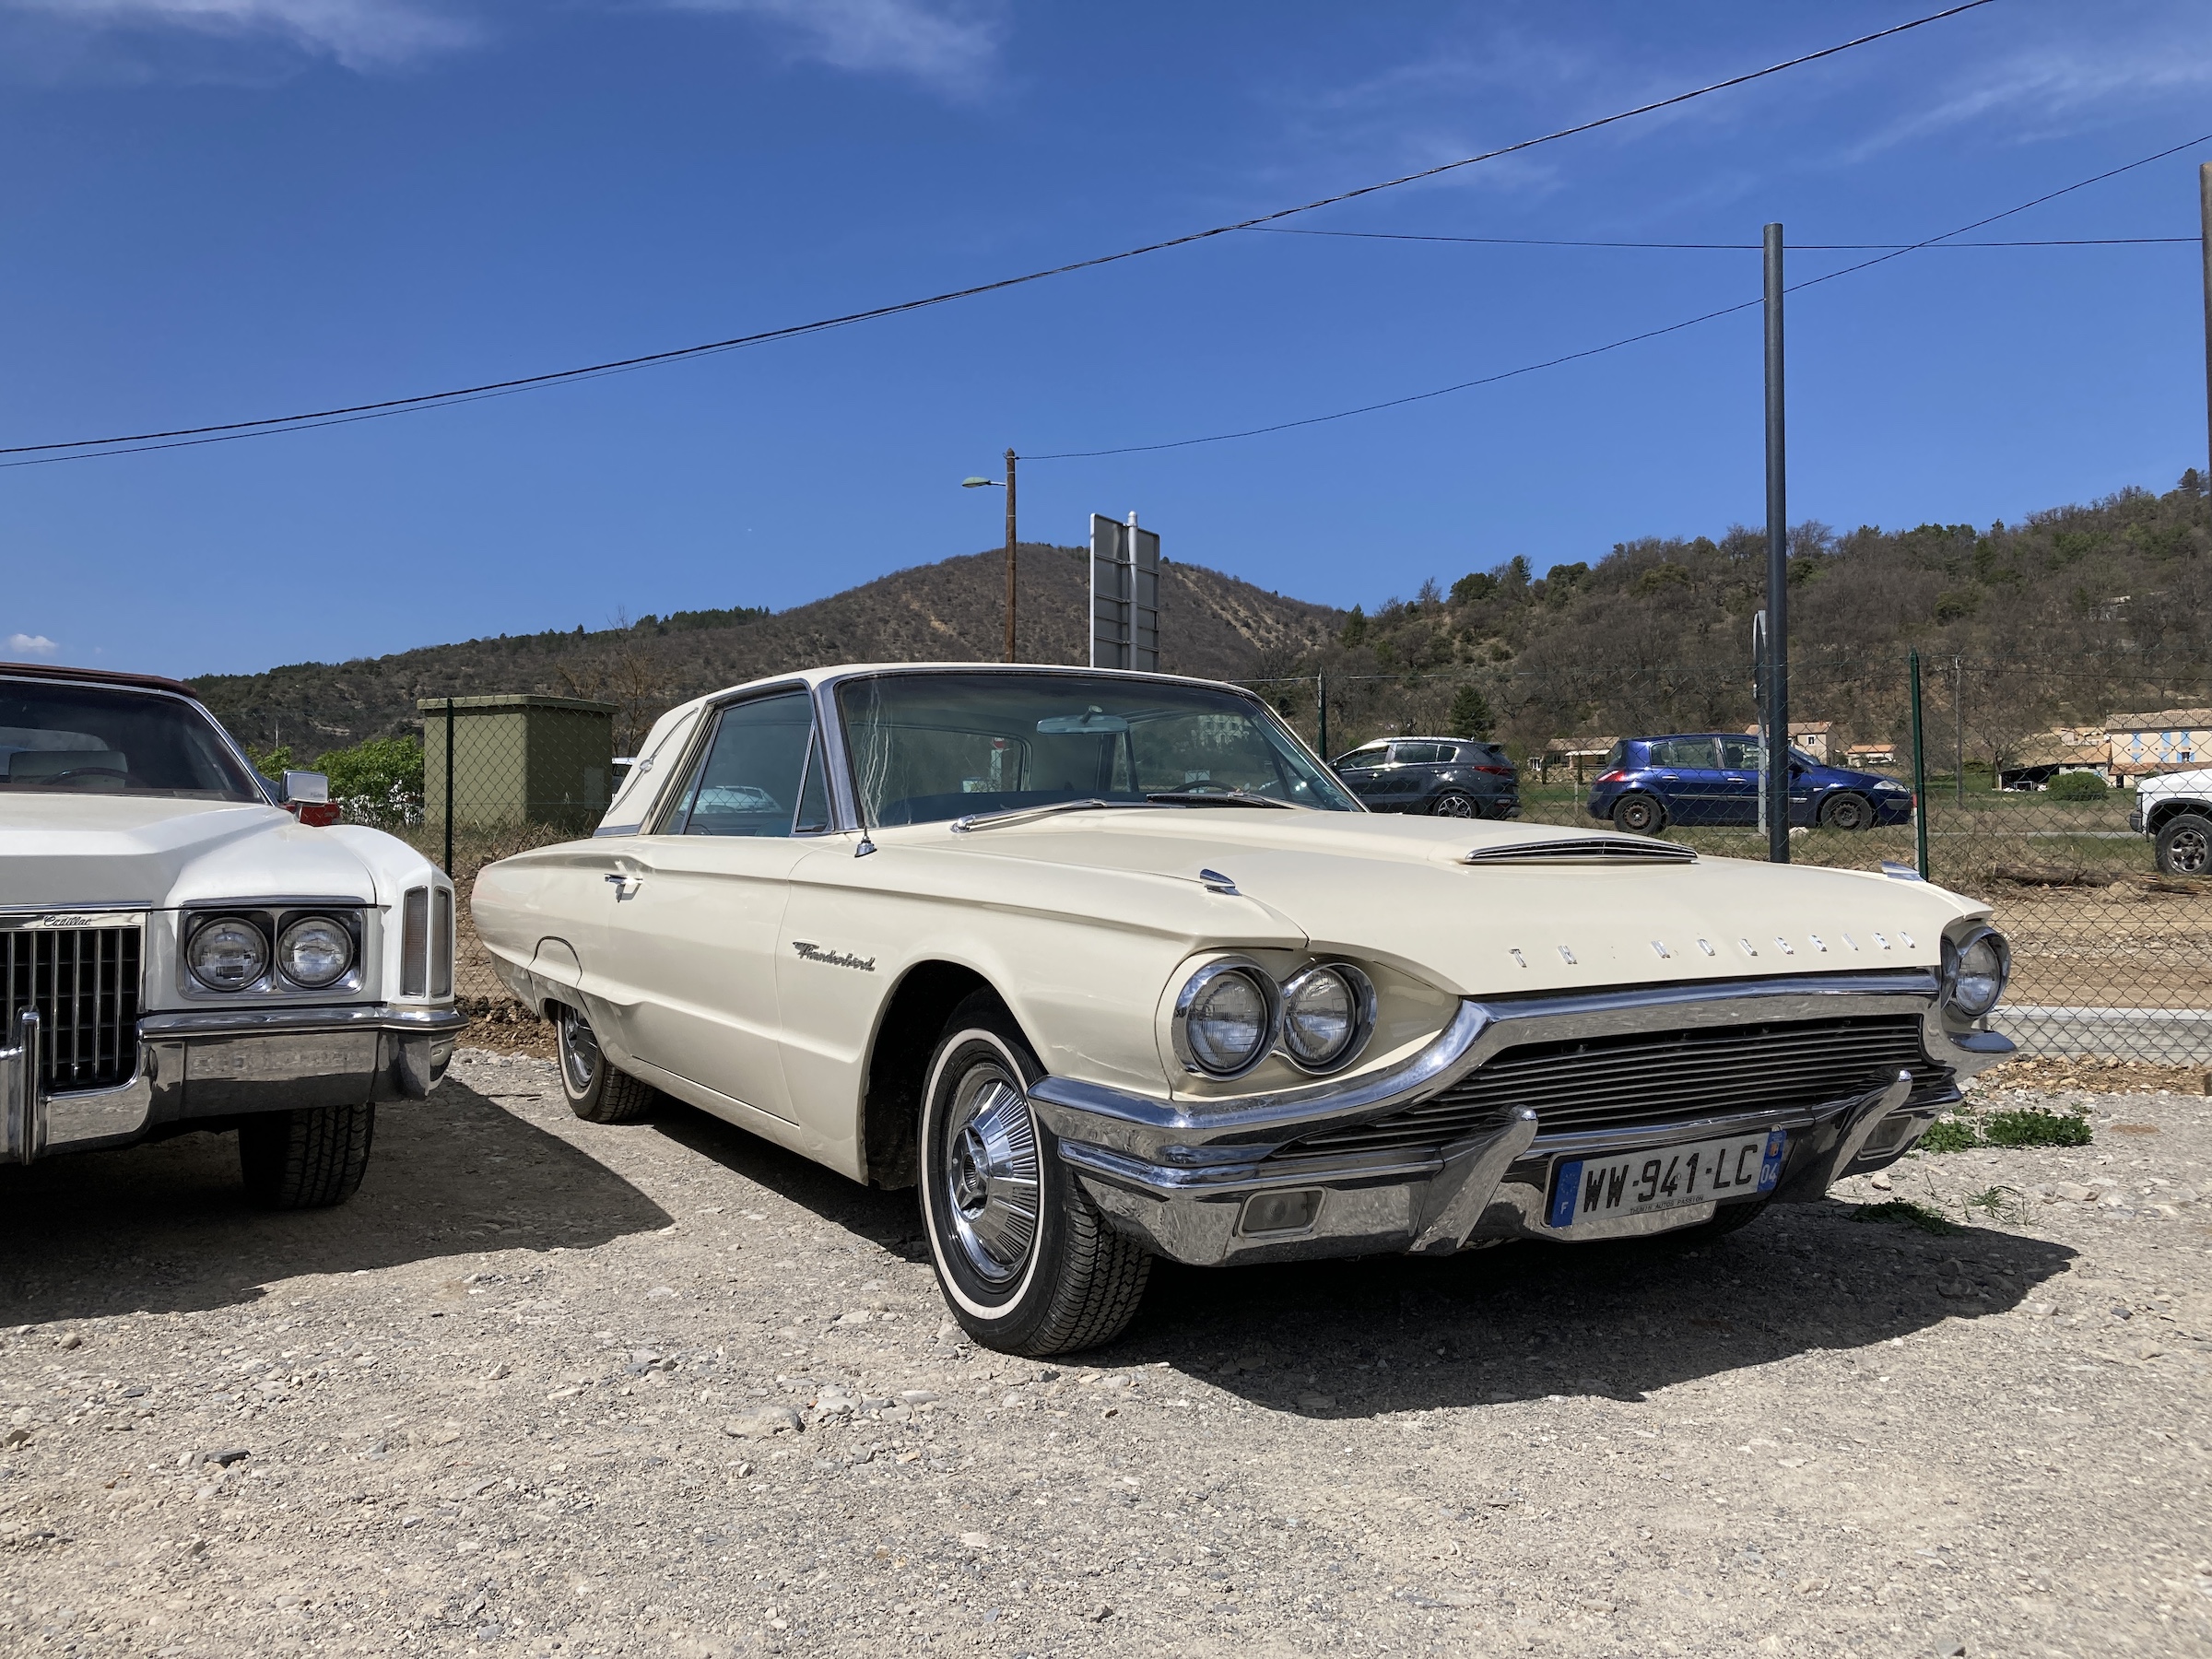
179,952
1109,967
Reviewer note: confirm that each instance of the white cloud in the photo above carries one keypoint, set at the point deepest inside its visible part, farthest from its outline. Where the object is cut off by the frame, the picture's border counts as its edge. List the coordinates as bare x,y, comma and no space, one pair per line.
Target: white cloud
949,43
358,34
21,645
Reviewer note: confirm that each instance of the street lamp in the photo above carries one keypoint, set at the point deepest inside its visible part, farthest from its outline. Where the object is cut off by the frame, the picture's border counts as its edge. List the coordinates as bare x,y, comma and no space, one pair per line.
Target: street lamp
1007,485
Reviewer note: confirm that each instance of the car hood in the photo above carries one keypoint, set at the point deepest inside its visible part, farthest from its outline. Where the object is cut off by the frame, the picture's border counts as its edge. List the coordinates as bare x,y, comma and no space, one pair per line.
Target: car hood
2198,781
1400,890
87,850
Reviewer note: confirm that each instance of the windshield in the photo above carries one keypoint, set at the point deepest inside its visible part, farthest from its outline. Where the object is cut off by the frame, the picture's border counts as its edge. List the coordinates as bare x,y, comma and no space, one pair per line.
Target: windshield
58,738
930,747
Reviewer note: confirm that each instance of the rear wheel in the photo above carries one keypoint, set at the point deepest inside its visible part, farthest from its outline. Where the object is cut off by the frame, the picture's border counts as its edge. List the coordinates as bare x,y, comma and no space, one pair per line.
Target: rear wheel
1025,1260
596,1090
2184,845
1847,812
1639,814
306,1159
1452,804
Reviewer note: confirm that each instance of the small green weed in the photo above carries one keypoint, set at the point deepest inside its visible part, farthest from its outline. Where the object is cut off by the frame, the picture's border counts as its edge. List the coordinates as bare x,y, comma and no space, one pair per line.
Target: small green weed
1949,1134
2034,1128
1998,1202
1905,1213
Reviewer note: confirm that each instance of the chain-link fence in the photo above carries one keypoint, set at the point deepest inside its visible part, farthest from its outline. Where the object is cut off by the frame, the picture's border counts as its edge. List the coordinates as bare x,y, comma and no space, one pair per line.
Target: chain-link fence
2059,795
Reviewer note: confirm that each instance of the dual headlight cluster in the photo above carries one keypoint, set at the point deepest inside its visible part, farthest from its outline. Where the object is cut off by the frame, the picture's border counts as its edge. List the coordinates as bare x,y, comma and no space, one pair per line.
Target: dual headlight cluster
233,953
1233,1014
1974,971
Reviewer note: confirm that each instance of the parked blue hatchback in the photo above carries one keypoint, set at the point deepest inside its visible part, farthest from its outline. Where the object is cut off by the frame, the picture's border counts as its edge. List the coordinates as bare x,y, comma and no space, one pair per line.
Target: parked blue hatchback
1713,778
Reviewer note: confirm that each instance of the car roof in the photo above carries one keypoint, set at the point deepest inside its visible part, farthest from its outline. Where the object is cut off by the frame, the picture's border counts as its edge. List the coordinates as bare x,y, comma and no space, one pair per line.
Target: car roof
815,677
98,677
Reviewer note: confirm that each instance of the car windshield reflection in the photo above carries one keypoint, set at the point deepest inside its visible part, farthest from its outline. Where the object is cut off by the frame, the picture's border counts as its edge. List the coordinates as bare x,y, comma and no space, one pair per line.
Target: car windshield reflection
934,747
58,739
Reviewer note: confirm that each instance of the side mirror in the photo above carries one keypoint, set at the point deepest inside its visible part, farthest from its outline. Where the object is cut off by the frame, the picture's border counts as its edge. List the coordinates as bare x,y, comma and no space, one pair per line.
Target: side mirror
305,786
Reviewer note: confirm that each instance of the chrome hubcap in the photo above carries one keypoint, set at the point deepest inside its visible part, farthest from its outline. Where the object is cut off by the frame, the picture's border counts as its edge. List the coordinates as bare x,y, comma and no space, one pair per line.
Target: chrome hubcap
1457,806
991,1174
2189,851
578,1051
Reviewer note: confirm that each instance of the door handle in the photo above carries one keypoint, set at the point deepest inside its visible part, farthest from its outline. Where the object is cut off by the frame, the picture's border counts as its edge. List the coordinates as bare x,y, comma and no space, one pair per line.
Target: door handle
624,885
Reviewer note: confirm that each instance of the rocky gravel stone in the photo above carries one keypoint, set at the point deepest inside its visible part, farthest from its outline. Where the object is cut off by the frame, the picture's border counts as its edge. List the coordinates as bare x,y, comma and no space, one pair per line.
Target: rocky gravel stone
468,1425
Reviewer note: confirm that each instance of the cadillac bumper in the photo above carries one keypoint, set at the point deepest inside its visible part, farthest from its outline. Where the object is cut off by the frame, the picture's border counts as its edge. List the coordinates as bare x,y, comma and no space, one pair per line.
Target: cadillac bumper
1462,1144
222,1064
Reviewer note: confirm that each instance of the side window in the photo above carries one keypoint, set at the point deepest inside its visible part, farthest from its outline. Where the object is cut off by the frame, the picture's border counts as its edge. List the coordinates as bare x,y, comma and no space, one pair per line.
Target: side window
1739,754
1416,754
1374,754
750,778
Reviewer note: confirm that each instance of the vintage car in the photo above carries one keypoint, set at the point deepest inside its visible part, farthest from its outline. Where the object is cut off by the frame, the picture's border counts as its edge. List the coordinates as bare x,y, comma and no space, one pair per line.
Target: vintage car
1111,967
180,951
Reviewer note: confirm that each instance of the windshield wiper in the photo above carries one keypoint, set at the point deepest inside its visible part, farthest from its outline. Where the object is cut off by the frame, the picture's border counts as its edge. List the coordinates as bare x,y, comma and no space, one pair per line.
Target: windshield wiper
1022,815
1216,797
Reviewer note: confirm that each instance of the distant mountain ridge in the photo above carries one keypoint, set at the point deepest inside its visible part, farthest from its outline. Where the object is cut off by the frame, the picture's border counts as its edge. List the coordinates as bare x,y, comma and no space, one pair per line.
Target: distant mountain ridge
1213,625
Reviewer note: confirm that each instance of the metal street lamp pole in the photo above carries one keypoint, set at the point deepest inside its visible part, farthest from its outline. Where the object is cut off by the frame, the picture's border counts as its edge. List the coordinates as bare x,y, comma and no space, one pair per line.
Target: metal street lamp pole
2204,184
1777,573
1010,556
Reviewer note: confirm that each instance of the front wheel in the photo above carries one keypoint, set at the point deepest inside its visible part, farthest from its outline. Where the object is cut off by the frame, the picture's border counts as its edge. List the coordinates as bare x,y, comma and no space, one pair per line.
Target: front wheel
1452,804
1847,812
1025,1260
310,1159
596,1090
1639,814
2185,845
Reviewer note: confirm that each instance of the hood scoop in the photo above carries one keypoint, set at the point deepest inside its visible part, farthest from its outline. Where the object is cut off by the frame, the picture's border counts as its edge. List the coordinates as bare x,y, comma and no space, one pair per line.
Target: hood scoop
1584,850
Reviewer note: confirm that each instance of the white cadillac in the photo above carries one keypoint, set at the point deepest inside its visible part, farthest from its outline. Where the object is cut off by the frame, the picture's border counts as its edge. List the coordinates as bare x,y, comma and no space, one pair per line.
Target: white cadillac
1109,967
179,951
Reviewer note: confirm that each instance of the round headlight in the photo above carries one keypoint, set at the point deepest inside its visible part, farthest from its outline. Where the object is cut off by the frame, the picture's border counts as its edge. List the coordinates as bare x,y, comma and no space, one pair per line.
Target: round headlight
1974,971
1225,1018
314,951
1327,1012
228,954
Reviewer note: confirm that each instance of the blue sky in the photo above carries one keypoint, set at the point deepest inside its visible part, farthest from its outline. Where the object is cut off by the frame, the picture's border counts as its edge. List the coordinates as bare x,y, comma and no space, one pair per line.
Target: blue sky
219,209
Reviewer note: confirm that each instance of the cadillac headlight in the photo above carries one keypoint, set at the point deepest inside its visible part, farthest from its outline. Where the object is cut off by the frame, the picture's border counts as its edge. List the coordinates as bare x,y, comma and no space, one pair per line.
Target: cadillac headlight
1226,1017
315,952
228,954
1974,971
1327,1014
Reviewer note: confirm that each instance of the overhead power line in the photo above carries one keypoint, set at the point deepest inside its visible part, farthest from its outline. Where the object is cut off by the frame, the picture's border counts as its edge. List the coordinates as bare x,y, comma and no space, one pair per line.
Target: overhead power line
227,431
1547,241
1895,251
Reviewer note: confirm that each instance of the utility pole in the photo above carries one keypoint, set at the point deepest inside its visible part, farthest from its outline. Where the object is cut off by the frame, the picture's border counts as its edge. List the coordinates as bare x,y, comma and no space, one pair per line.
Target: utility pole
1010,556
2204,187
1777,573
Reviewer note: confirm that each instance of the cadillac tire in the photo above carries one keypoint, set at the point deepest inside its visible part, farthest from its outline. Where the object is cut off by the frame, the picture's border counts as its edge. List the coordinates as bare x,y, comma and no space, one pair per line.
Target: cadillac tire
1026,1261
596,1090
306,1159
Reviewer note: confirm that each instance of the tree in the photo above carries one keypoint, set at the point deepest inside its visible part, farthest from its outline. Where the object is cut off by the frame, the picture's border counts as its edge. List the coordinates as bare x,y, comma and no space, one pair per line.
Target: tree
1470,715
1473,588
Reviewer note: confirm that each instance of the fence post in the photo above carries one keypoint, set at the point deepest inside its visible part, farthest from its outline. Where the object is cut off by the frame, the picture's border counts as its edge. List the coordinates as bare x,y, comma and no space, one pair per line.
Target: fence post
1920,772
1321,692
449,785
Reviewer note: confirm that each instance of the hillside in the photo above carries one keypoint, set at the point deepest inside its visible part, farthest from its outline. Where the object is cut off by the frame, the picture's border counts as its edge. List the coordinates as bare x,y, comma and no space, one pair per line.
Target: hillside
2062,619
1211,625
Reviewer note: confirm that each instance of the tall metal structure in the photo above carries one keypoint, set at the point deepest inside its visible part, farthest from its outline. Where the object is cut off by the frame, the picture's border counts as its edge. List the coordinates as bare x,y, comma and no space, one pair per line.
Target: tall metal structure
1777,711
1124,595
2204,189
1010,555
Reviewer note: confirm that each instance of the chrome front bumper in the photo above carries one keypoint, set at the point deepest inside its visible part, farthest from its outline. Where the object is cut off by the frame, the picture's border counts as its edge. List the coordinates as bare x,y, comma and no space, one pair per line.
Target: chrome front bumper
226,1062
1182,1176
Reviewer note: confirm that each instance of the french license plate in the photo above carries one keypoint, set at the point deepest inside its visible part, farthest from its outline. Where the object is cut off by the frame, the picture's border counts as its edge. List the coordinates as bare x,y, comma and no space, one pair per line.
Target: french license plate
1598,1189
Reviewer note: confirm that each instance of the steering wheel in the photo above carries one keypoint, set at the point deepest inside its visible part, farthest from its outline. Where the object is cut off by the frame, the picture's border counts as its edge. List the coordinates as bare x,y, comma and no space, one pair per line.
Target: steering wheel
84,772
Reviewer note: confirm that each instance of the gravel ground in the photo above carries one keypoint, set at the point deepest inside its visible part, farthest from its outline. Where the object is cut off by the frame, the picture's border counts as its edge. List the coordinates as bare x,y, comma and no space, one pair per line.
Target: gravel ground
549,1388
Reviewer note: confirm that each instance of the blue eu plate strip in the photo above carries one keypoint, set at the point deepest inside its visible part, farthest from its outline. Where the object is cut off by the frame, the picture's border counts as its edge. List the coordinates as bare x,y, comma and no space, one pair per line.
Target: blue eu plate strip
1770,1170
1569,1184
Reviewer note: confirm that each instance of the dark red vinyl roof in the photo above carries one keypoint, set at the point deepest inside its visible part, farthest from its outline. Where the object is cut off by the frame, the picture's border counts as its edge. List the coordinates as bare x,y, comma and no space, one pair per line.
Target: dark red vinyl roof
96,677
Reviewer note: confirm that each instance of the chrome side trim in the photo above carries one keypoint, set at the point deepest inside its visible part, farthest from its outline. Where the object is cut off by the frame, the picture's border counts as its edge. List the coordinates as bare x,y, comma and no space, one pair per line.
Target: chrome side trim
1847,1138
31,916
1222,1179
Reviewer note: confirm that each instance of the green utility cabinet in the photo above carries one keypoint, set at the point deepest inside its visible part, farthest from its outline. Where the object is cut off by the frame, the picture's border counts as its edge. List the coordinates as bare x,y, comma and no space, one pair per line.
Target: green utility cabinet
517,760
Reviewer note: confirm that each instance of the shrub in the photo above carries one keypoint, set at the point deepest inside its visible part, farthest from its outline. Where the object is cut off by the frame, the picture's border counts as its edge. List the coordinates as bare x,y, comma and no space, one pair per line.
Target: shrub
2036,1127
1905,1213
2077,786
1949,1134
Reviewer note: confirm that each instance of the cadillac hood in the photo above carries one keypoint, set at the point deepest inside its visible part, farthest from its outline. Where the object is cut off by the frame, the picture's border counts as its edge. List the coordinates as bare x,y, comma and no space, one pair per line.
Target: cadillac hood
129,850
1527,915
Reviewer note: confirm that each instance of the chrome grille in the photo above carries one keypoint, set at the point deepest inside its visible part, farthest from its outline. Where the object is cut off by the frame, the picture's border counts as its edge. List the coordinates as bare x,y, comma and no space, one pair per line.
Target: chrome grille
1642,1080
84,982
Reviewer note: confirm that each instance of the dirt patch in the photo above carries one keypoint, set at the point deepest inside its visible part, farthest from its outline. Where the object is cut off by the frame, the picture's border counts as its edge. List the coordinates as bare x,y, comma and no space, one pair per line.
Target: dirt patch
554,1389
